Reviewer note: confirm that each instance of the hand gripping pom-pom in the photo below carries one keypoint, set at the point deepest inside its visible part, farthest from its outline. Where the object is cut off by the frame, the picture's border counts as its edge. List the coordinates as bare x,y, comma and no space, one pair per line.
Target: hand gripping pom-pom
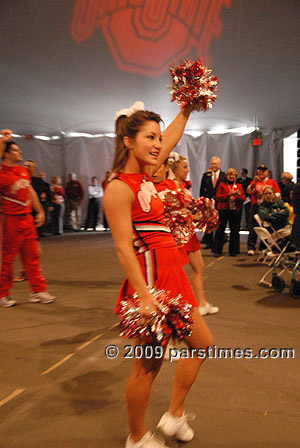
173,318
193,84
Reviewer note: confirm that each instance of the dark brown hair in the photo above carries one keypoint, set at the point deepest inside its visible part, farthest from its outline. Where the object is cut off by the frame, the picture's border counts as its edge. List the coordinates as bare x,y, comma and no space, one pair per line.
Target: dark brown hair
129,127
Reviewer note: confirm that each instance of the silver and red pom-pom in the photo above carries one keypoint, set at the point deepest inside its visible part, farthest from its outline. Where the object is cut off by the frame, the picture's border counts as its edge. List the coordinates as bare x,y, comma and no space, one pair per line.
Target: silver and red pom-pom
207,215
175,200
182,226
178,205
193,84
172,319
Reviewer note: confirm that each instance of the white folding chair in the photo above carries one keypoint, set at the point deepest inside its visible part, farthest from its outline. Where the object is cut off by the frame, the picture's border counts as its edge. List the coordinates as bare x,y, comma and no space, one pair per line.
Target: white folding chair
268,255
266,237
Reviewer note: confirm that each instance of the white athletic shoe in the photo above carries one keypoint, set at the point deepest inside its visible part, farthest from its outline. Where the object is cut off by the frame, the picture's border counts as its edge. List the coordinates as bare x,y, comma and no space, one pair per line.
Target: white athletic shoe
41,297
208,308
6,302
250,252
148,441
177,426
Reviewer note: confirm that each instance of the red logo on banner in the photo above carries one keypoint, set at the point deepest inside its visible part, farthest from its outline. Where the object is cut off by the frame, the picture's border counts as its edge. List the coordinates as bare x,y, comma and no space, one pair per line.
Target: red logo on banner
146,36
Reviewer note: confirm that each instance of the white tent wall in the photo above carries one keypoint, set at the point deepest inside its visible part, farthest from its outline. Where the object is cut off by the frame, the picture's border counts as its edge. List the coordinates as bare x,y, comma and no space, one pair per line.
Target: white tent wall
48,155
88,157
92,156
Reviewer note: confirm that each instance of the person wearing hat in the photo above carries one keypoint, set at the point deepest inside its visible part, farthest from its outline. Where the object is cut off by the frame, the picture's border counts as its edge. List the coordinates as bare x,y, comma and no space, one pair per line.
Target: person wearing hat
255,190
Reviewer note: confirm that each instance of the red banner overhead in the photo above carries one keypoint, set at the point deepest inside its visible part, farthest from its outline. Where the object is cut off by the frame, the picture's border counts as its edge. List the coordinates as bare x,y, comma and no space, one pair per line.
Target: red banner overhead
146,36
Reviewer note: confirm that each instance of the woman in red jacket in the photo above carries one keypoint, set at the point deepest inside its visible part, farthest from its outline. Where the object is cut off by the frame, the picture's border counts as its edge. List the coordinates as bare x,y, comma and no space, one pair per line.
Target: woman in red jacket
230,197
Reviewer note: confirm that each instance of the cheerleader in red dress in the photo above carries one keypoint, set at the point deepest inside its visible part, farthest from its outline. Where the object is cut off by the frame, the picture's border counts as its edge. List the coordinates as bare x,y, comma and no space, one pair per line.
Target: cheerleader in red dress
180,168
148,254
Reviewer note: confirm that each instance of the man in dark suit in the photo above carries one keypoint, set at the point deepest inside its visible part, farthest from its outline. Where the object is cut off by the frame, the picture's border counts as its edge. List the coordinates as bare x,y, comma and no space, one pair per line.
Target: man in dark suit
209,184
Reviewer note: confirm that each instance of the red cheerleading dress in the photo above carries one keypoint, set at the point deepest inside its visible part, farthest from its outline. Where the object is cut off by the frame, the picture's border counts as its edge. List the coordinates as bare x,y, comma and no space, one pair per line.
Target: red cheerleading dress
193,244
154,243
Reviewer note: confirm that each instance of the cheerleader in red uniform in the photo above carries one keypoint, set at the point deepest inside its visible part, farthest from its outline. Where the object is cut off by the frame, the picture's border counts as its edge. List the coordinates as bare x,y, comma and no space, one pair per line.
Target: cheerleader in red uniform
149,256
180,168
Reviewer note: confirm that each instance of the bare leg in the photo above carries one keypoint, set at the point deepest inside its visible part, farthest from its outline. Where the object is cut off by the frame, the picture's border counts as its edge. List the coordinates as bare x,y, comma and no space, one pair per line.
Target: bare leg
197,265
138,392
187,369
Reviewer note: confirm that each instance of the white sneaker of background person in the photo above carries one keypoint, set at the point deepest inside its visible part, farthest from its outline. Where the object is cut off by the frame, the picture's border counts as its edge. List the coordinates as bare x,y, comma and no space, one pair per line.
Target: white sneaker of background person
7,302
41,297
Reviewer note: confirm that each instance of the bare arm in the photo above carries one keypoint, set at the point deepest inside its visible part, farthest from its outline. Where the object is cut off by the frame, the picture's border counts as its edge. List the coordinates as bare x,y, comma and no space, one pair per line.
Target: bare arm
5,137
171,137
40,214
117,202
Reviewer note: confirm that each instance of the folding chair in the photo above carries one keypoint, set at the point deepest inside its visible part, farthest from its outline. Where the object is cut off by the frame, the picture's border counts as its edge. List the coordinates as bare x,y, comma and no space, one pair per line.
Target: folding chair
268,255
262,223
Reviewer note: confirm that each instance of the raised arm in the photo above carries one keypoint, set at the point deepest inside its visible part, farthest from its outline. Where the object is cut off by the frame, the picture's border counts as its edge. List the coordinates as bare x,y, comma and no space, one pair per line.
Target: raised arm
117,202
5,137
171,137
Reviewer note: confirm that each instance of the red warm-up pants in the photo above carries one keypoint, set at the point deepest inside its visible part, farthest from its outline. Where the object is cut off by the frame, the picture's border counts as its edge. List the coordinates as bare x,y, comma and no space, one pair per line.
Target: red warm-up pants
19,235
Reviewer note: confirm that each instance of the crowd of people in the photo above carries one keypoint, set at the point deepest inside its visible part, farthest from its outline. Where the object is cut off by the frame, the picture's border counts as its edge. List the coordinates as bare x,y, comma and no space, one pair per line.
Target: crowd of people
62,205
144,170
240,199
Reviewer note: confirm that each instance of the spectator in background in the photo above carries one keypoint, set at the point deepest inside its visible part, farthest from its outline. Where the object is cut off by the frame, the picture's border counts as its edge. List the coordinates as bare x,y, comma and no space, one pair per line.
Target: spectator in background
209,184
244,180
104,183
255,190
272,209
290,208
295,235
230,196
95,195
42,189
74,196
286,186
58,201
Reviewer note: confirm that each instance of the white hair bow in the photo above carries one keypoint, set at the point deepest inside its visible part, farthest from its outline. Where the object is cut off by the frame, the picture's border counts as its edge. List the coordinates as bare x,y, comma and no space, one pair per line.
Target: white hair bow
173,157
138,105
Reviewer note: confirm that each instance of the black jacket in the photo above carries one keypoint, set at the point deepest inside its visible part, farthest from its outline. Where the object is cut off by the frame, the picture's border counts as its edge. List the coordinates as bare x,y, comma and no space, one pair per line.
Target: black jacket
244,181
295,236
286,190
206,188
275,213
